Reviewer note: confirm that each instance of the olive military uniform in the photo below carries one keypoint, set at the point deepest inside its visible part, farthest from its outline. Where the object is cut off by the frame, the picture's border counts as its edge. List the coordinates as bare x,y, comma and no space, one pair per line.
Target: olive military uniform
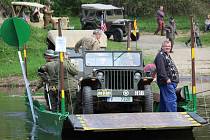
48,16
89,43
70,83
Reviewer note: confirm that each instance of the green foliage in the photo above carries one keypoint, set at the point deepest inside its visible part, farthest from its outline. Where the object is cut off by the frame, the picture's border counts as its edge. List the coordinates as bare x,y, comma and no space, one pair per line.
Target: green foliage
74,21
171,7
132,7
35,47
66,7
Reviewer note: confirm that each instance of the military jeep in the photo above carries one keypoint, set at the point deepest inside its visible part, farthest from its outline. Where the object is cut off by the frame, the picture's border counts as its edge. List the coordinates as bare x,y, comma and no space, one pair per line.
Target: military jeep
114,81
92,15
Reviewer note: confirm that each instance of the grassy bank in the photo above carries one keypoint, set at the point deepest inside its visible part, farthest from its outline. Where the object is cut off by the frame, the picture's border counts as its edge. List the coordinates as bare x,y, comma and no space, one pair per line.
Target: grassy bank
36,46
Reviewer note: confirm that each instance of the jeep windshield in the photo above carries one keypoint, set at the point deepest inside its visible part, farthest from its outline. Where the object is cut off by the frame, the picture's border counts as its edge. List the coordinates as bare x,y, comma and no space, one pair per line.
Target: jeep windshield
113,59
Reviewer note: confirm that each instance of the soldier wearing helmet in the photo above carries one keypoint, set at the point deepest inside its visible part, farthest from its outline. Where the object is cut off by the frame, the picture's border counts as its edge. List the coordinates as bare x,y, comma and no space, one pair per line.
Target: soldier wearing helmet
90,43
48,15
49,78
46,73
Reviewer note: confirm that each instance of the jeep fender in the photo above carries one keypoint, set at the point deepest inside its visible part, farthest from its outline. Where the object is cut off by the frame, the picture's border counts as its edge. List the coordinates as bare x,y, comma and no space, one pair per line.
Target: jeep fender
91,82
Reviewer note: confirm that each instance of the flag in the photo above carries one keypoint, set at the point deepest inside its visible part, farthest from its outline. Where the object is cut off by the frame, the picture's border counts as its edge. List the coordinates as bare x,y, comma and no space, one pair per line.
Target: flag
103,25
134,26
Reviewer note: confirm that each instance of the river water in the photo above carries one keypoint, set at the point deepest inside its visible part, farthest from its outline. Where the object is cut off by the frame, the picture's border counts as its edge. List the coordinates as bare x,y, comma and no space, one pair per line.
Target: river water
14,124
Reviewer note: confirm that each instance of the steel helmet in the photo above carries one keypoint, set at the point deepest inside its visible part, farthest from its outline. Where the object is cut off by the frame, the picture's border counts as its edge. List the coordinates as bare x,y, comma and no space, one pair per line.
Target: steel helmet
51,53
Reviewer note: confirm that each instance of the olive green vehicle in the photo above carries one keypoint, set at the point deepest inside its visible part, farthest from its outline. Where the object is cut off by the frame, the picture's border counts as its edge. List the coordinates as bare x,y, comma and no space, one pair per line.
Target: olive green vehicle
116,24
114,81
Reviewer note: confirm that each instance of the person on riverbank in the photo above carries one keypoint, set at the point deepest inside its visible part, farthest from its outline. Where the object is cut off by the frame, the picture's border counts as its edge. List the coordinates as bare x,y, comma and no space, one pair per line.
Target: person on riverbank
90,43
167,78
207,24
196,30
160,21
171,31
48,15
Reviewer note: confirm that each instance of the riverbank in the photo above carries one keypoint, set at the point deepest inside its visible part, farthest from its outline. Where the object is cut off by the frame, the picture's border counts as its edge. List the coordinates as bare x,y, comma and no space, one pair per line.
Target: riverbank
14,81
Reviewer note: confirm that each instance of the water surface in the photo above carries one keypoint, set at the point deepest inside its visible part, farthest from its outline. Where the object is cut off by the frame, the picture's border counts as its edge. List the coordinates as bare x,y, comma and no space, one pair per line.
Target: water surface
14,124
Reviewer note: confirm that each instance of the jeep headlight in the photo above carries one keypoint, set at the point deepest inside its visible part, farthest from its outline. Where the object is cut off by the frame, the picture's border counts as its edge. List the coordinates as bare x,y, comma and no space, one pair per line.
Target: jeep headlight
137,76
100,75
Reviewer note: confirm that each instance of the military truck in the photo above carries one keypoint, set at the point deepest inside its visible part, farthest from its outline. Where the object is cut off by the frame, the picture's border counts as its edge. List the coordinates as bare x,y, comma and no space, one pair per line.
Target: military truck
30,9
93,14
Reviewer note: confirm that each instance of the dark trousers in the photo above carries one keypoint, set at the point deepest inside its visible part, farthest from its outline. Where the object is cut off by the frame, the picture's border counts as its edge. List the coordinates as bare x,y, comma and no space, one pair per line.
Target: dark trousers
197,40
54,100
168,98
160,27
207,28
70,101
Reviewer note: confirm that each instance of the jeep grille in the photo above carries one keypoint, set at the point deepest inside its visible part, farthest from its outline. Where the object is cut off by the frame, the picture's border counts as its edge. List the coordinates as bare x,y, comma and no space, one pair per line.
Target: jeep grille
119,79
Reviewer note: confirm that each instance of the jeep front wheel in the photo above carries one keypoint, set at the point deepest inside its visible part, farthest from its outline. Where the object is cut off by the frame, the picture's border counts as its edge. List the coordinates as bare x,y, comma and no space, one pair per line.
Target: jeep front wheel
87,100
118,35
108,36
148,100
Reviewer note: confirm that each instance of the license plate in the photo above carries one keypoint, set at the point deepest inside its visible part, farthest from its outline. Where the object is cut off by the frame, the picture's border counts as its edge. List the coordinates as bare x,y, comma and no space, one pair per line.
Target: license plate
104,93
139,92
120,99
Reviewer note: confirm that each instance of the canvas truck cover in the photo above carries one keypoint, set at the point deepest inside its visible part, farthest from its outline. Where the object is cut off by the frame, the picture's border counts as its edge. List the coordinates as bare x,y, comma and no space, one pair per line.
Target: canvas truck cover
99,6
33,4
73,36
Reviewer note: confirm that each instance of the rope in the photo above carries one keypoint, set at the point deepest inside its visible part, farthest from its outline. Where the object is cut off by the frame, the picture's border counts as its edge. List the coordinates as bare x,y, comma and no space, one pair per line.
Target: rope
63,116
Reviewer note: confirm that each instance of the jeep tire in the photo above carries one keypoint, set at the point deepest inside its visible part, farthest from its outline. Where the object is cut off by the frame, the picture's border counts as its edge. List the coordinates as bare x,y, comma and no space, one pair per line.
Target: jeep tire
118,34
133,37
148,100
108,35
87,100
